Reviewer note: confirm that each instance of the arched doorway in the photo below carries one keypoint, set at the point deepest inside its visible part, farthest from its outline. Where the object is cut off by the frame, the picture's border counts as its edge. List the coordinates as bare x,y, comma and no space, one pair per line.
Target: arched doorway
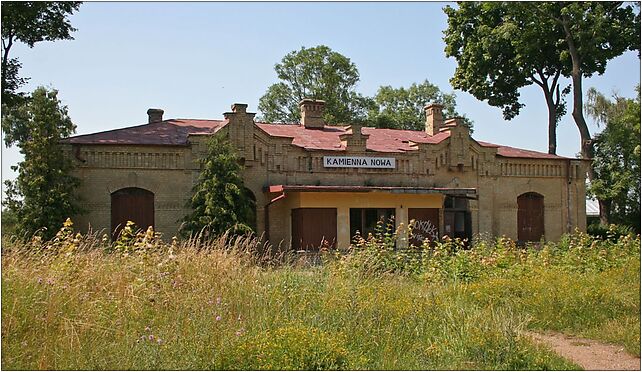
131,204
530,217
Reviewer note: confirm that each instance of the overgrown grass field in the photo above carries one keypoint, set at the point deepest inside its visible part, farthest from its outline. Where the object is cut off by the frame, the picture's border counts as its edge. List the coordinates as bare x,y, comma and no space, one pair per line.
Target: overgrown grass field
78,302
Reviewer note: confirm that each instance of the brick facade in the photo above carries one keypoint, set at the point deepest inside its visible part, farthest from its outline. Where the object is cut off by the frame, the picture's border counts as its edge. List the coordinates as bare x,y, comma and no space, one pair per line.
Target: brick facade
497,174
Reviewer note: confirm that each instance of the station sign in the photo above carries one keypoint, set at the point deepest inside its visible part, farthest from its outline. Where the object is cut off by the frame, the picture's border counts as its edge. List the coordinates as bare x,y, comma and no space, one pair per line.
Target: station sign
358,162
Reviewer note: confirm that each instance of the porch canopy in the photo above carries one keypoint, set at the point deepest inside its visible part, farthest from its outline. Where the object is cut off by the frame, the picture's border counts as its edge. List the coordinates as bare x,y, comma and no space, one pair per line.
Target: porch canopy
301,212
470,193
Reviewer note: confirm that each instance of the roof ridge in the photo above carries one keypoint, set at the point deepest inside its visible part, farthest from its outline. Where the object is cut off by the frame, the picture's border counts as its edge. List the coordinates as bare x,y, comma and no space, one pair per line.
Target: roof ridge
115,129
166,121
165,132
195,119
265,122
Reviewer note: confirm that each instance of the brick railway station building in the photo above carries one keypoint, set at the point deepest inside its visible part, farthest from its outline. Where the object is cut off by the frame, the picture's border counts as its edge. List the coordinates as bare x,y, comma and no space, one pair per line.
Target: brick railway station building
314,182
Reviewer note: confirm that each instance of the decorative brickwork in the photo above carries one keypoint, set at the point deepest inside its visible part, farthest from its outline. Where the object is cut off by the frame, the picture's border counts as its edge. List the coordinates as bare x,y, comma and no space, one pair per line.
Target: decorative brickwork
294,155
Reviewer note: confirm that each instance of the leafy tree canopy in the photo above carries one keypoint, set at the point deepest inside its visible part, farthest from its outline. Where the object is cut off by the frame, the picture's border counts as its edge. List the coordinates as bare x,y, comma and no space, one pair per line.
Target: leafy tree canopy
496,54
30,22
320,73
403,108
599,31
616,164
594,33
42,196
501,47
220,201
317,73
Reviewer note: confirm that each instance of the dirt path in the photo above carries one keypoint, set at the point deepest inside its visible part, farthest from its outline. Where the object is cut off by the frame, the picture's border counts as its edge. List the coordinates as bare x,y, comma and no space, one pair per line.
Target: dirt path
589,354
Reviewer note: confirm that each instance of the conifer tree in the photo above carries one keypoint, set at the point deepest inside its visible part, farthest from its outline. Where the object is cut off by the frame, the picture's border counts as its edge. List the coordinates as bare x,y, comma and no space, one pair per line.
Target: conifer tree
220,201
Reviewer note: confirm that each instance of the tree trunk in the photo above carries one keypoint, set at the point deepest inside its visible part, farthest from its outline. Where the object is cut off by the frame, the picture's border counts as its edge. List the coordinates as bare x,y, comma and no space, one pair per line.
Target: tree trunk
552,131
5,61
552,108
605,211
578,116
552,123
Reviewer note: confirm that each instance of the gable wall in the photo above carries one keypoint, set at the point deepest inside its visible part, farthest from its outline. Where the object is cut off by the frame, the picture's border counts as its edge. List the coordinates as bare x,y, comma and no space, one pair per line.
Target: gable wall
165,171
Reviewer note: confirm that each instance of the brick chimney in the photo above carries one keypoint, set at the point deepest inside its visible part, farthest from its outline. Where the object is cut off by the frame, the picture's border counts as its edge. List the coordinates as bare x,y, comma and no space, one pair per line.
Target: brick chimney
434,118
155,115
457,121
312,113
240,108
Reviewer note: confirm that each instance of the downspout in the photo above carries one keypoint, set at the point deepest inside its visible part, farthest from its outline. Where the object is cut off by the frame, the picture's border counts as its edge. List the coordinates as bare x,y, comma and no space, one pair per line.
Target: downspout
267,214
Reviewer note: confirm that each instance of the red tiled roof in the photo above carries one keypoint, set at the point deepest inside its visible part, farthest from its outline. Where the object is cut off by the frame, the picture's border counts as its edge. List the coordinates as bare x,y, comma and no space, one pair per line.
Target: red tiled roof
310,139
397,140
328,138
513,152
171,132
174,132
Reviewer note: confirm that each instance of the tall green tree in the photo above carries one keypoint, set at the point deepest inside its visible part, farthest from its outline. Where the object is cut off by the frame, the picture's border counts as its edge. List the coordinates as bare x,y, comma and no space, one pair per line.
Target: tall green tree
220,201
317,73
403,108
502,47
594,33
30,22
616,164
42,196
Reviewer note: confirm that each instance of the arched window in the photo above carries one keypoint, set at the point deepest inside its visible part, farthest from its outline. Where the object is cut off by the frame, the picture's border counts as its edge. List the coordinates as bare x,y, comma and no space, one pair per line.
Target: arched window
131,204
530,217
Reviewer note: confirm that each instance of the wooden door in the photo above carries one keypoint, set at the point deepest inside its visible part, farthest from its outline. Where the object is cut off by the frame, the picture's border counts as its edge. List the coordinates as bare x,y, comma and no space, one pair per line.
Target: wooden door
131,204
425,226
313,228
530,217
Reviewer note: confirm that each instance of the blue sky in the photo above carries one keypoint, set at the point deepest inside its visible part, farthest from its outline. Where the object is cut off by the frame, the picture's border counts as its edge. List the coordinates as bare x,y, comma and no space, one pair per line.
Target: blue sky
195,59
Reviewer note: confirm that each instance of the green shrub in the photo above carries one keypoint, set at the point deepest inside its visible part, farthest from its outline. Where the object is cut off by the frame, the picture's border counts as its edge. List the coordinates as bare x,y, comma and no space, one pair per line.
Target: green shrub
611,232
452,260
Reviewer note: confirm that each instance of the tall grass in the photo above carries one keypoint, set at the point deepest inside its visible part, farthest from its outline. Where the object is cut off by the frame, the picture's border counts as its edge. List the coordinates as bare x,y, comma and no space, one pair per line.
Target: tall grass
79,302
